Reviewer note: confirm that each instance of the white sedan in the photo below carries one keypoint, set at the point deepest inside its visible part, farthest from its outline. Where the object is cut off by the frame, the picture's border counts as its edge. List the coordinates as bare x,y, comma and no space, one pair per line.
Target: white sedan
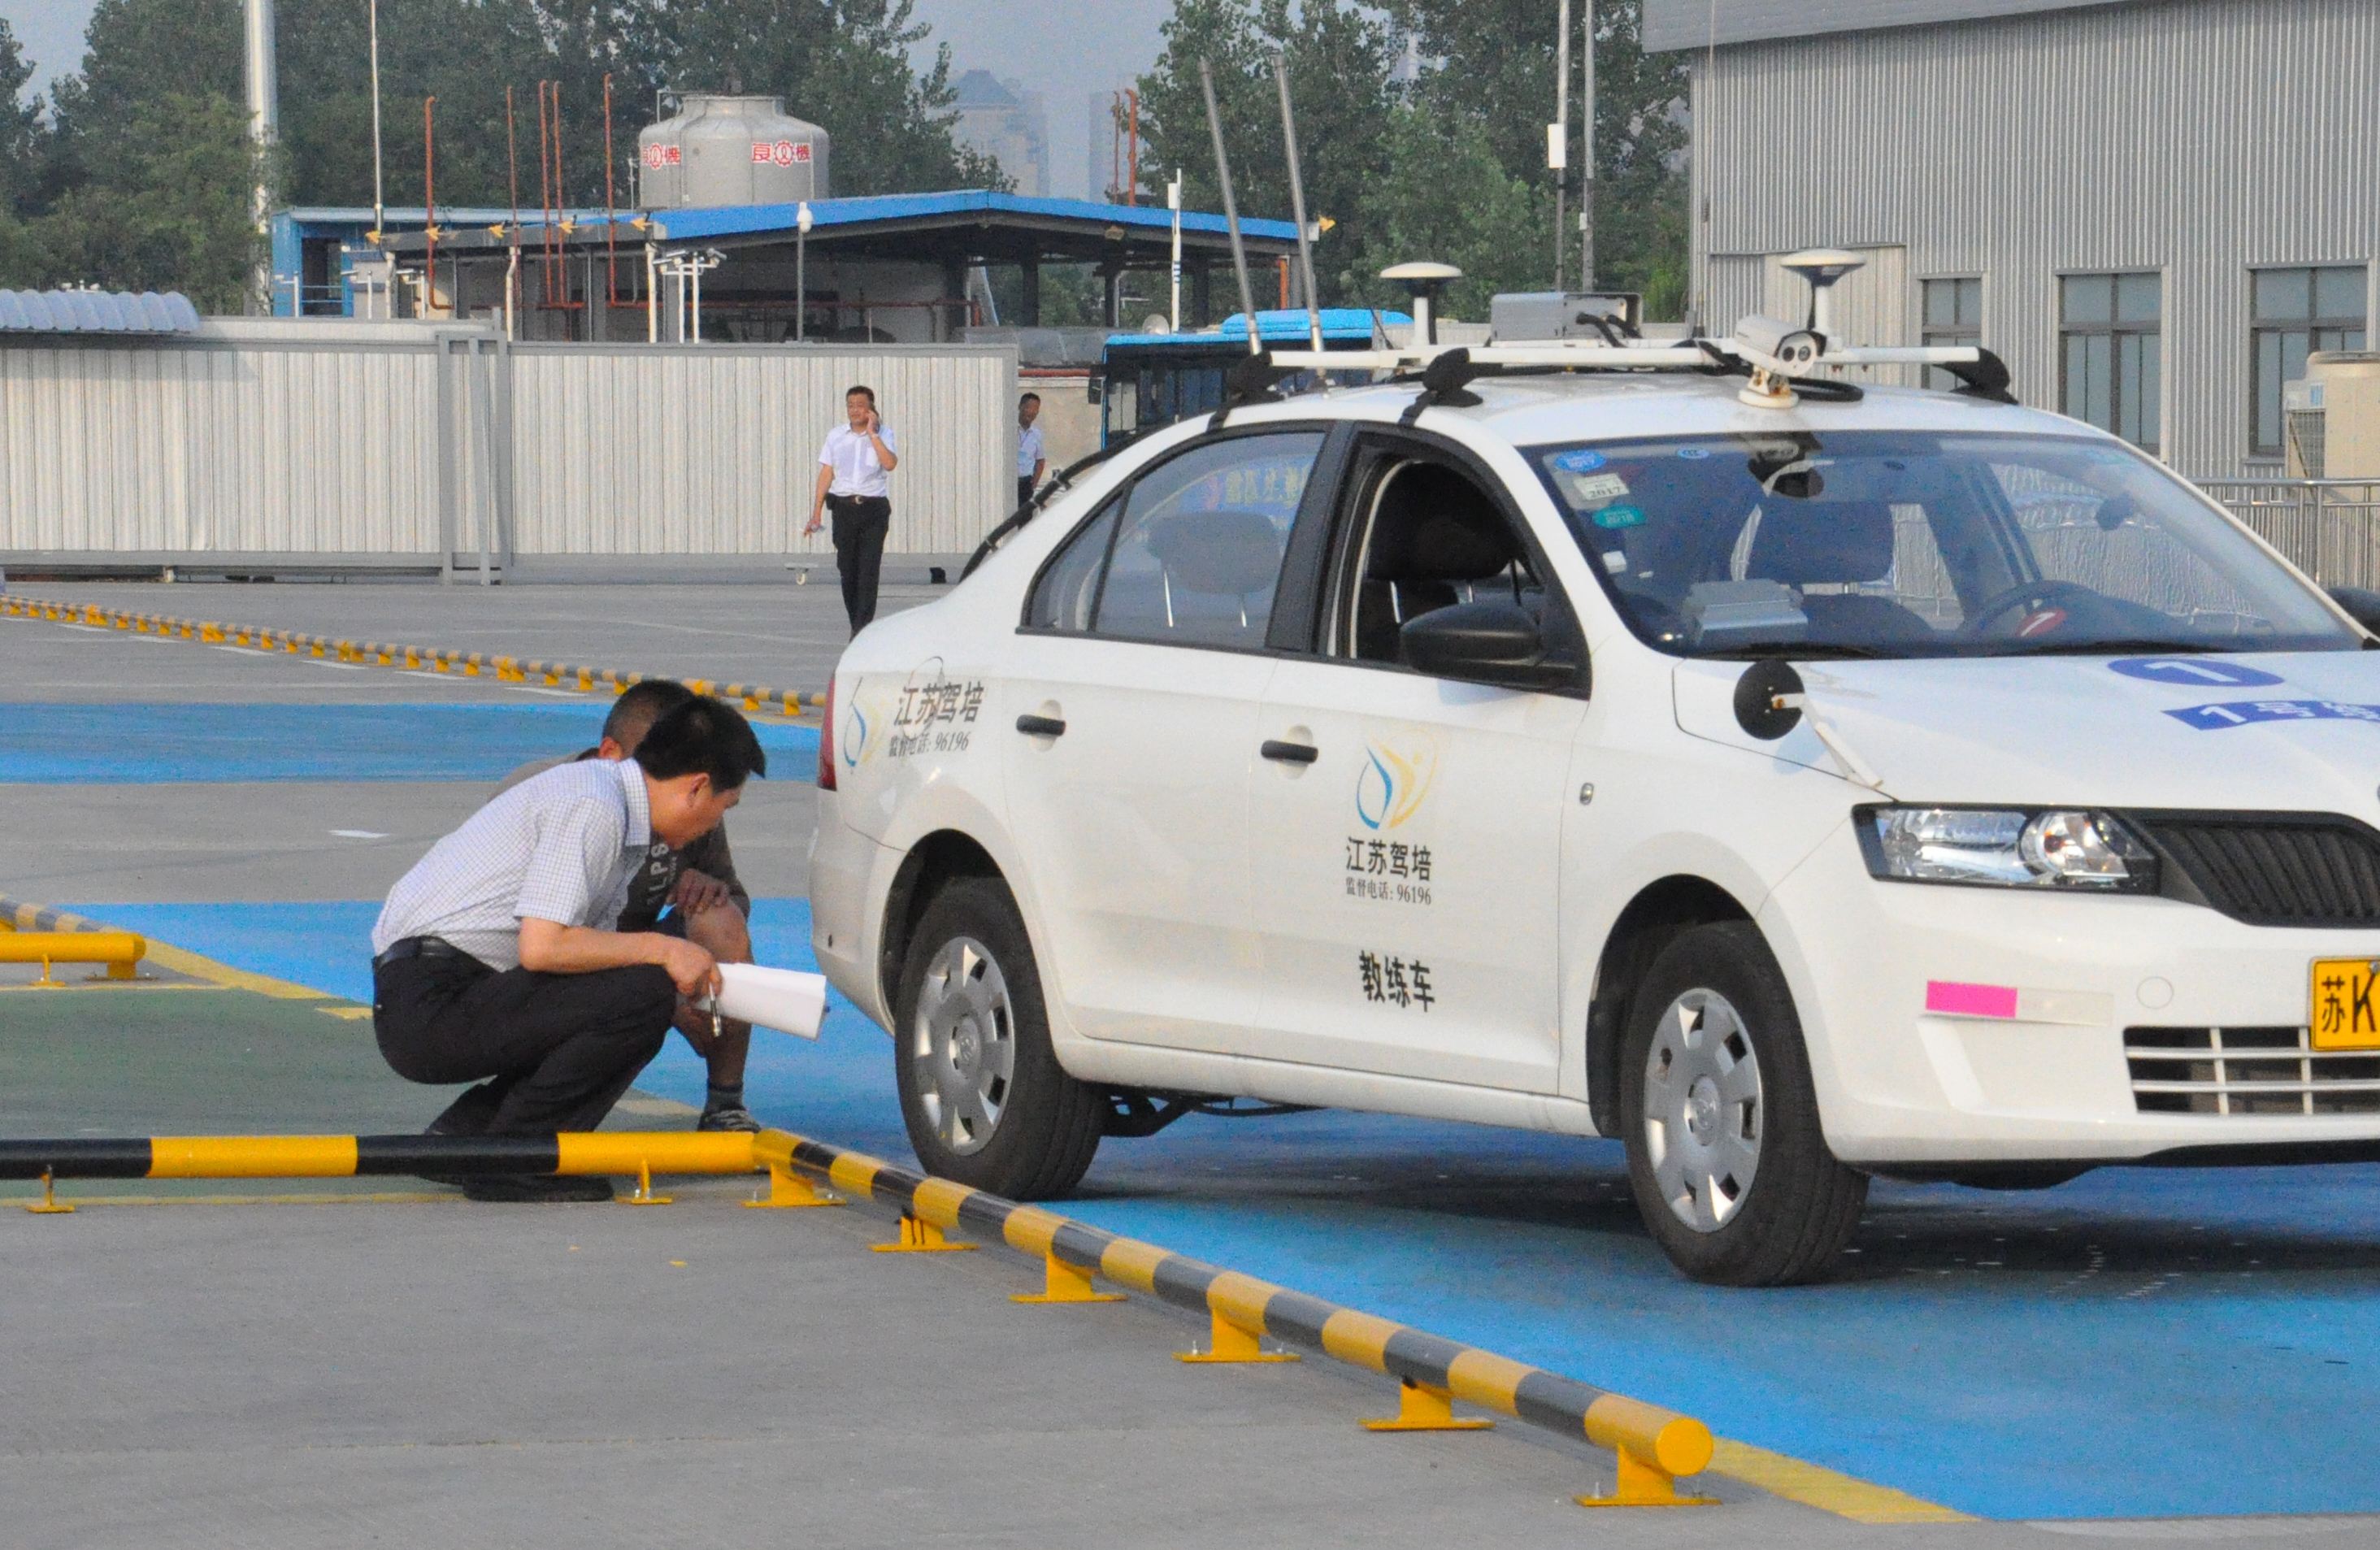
1898,783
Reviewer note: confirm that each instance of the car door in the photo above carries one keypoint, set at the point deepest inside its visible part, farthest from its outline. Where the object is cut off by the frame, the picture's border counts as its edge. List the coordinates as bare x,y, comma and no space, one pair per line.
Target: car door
1407,828
1140,669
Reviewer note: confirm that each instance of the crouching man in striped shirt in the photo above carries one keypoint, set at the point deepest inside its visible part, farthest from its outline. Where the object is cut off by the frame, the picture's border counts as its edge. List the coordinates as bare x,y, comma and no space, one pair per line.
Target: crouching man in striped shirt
498,957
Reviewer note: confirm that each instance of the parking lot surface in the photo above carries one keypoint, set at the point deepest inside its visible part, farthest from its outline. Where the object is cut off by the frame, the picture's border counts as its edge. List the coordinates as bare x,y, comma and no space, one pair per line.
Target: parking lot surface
2135,1345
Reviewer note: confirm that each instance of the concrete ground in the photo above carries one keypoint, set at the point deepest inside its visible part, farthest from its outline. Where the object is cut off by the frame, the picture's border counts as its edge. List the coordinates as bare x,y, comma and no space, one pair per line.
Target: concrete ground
435,1373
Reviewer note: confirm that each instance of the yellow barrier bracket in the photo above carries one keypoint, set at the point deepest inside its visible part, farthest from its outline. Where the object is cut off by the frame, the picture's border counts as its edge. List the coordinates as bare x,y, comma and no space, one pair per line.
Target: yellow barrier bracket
1639,1482
1062,1282
48,1204
1421,1407
644,1195
920,1237
1228,1344
792,1191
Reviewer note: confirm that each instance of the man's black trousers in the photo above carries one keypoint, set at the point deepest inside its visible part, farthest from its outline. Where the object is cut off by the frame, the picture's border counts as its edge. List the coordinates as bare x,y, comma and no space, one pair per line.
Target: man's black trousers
550,1052
861,523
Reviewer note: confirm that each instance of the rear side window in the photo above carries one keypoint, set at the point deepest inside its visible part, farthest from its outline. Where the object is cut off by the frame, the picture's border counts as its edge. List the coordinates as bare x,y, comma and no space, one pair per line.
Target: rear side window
1192,555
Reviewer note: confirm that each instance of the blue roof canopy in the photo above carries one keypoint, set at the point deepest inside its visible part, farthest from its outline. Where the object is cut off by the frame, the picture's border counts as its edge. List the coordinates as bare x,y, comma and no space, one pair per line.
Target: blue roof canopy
1339,325
758,219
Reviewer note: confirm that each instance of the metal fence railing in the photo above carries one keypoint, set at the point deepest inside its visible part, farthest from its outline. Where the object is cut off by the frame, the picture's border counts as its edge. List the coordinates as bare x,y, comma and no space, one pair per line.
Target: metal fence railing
2330,528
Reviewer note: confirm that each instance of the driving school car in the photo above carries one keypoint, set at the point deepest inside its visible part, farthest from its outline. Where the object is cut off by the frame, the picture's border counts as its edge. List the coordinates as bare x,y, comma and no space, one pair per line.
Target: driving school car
1797,782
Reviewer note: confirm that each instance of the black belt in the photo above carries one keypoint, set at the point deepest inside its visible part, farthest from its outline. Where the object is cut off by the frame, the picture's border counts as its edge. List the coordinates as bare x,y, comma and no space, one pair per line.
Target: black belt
419,946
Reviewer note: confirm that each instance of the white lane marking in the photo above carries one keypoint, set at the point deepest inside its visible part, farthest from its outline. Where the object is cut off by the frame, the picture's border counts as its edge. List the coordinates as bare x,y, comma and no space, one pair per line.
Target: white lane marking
342,667
554,694
357,834
87,629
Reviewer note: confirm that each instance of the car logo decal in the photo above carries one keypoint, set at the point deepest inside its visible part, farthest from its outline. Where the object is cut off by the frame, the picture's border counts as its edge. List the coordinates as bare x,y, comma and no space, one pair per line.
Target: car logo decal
1392,783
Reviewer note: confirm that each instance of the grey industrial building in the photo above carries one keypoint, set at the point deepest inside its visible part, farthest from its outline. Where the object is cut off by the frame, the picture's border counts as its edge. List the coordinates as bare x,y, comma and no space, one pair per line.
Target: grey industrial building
2153,209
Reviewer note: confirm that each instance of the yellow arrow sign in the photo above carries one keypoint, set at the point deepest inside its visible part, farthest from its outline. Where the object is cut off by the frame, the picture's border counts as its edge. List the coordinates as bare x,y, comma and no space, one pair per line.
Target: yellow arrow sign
568,225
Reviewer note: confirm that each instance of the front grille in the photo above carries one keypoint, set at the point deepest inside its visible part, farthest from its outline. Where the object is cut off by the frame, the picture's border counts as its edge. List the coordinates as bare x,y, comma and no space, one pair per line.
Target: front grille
2248,1070
2271,869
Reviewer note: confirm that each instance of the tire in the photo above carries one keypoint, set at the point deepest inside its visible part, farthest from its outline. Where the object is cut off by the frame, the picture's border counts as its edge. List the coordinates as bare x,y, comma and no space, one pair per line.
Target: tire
1725,1153
982,1094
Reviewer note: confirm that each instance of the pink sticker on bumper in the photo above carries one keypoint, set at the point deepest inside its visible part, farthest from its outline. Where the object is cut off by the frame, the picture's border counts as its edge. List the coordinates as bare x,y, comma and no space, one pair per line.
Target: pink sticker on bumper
1970,1000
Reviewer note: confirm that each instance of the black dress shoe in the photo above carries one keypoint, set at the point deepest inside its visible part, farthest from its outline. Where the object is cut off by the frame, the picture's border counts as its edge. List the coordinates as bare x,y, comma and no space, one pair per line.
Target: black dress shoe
523,1188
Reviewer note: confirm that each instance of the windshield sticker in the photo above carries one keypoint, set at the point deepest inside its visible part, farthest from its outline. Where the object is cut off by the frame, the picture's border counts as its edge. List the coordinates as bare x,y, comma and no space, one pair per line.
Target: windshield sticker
1389,980
1616,562
2248,712
2195,672
1596,490
1693,455
1620,516
1579,461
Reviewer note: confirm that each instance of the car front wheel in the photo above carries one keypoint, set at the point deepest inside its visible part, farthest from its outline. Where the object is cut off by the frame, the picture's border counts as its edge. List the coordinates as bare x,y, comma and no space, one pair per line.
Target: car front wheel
1725,1153
982,1095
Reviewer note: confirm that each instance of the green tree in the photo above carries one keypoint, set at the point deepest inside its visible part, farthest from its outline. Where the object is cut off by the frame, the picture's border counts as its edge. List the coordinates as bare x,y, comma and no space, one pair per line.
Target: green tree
1445,197
24,151
1494,66
169,206
1338,57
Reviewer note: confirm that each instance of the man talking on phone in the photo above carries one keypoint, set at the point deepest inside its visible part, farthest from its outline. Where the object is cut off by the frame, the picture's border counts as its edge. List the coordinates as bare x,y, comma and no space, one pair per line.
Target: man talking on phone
852,485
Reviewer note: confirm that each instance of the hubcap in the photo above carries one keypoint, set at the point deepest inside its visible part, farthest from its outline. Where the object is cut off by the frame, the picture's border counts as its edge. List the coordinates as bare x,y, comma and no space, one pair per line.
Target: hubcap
1703,1112
962,1045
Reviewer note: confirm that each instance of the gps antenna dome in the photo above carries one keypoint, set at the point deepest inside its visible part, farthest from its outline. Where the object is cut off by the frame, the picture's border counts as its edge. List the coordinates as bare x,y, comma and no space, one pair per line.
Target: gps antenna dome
1822,267
1425,283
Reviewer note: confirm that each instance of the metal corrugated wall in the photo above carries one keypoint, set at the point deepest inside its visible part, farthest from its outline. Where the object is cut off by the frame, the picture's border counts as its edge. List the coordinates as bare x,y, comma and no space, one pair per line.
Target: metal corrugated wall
712,450
245,439
2199,140
360,446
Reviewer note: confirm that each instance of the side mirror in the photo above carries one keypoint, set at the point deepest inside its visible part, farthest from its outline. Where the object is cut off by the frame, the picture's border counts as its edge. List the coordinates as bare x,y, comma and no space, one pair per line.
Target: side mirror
1492,640
2361,606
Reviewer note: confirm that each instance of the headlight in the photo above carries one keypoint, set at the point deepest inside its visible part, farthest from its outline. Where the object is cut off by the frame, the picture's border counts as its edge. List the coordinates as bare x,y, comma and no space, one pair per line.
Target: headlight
2006,848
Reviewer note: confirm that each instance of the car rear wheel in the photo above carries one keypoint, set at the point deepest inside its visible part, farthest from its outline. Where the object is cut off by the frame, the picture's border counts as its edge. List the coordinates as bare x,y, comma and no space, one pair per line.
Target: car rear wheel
1725,1153
982,1095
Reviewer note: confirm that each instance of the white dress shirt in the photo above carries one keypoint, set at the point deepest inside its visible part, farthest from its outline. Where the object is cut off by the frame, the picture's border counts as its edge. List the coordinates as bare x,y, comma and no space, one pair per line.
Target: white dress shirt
851,455
1028,449
563,846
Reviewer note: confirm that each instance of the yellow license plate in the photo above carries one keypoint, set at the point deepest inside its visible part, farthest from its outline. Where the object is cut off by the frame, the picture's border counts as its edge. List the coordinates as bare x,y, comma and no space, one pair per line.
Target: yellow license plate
2346,1003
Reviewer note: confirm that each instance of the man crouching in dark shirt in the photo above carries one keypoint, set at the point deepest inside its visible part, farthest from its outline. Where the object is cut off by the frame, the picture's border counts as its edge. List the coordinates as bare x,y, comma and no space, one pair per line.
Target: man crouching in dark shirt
698,886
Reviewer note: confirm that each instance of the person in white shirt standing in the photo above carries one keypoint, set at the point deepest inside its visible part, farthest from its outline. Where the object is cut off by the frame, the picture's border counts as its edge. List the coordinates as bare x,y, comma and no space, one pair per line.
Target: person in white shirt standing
1030,461
852,485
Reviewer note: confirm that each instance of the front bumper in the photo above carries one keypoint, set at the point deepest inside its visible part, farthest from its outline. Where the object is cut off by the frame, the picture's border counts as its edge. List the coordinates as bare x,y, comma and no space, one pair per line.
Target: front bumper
1968,1024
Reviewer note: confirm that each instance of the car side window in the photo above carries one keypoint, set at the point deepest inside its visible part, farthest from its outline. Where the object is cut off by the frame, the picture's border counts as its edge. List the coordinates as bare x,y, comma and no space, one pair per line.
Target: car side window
1428,537
1198,548
1069,588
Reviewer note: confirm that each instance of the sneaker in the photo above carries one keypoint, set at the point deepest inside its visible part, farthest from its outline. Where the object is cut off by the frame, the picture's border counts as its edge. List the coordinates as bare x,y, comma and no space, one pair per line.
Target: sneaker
727,1116
532,1188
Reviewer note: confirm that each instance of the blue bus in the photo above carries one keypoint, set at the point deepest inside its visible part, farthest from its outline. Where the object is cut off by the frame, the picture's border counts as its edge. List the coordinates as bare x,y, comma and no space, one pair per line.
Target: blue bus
1150,379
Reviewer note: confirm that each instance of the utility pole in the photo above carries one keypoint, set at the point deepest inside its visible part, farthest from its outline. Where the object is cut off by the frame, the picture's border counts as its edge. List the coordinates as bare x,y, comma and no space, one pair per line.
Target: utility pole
1586,188
263,127
1558,137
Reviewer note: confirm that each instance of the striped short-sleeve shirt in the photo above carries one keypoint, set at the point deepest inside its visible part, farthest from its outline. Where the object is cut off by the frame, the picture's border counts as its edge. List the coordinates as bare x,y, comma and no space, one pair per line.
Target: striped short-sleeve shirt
562,847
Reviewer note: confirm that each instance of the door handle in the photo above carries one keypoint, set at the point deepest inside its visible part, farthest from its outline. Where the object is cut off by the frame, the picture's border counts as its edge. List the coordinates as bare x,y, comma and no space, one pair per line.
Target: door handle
1290,752
1041,726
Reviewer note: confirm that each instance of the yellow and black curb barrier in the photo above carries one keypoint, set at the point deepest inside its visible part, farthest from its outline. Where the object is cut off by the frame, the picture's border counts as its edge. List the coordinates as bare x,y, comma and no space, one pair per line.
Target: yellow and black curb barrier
33,934
1653,1446
416,658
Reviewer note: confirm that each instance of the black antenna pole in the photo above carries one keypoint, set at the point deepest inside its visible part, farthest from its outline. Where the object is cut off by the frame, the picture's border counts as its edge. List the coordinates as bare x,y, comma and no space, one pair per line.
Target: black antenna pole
1231,209
1297,202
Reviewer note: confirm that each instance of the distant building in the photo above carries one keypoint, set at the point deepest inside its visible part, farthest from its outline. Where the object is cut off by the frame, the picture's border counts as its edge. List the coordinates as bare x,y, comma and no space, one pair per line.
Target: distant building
2153,209
1005,122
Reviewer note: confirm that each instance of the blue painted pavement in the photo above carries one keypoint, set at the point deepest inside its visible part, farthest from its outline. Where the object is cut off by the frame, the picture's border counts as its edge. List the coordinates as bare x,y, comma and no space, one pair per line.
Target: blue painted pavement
152,745
2136,1343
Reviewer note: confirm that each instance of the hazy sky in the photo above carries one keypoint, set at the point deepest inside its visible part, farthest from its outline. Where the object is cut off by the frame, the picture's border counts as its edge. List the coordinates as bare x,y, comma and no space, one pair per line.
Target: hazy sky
1065,49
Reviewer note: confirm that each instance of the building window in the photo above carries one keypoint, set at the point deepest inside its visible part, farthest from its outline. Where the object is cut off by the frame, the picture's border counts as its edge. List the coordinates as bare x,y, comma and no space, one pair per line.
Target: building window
2110,353
1954,317
2297,311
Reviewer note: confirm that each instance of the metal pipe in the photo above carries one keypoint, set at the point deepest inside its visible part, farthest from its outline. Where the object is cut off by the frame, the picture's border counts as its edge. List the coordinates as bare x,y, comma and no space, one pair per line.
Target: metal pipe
1558,135
1587,175
1231,208
379,206
1297,202
263,128
611,220
429,205
1174,199
652,295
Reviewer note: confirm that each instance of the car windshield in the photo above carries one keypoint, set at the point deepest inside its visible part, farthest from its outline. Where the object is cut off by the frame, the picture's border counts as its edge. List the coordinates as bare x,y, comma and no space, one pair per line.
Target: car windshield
1891,543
